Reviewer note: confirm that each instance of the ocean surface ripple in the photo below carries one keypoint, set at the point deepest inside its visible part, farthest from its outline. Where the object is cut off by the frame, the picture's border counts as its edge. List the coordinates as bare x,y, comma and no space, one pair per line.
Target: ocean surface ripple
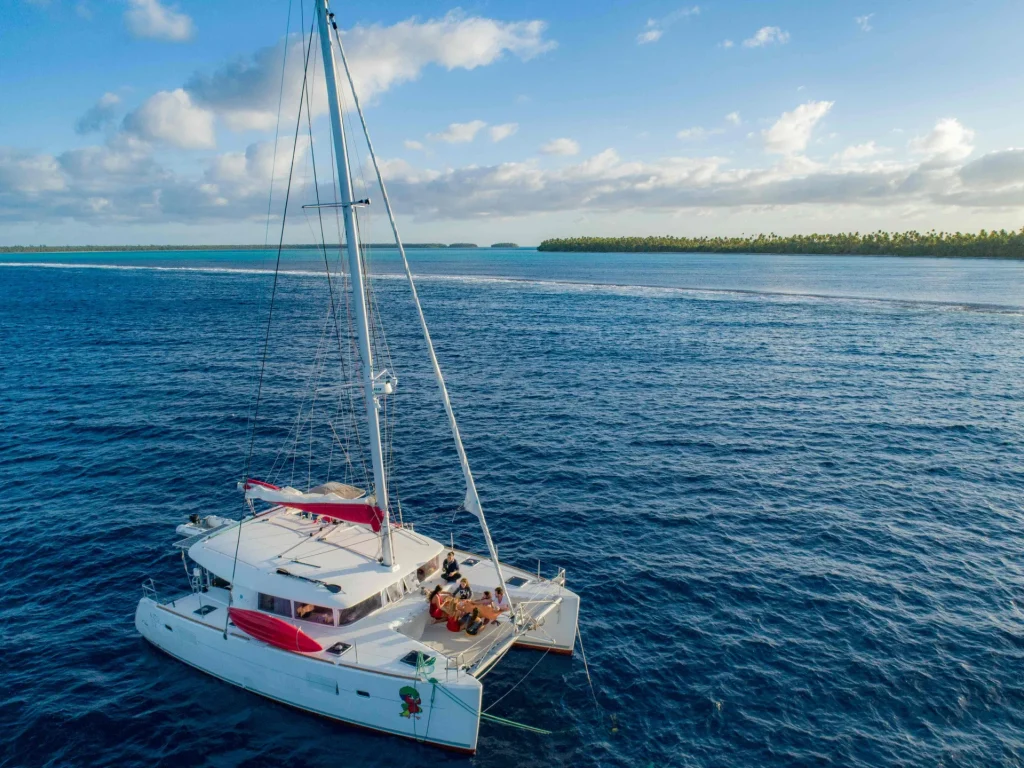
796,521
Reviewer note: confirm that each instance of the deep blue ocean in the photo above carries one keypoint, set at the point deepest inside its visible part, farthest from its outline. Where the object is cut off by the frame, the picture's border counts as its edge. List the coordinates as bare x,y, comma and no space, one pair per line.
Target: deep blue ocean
789,489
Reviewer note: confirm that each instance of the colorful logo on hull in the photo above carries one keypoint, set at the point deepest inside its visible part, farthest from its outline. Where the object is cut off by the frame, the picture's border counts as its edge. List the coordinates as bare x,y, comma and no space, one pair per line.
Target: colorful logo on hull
411,704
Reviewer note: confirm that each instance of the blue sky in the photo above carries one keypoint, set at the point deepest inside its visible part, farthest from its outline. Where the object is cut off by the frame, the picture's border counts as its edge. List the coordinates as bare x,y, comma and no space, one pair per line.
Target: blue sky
132,121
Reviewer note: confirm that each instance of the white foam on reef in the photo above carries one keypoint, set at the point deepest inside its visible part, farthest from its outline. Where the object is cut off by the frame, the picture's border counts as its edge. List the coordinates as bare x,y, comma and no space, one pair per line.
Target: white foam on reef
621,289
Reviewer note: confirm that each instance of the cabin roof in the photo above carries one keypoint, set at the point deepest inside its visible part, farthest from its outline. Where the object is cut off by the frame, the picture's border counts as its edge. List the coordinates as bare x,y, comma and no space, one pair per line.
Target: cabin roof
342,554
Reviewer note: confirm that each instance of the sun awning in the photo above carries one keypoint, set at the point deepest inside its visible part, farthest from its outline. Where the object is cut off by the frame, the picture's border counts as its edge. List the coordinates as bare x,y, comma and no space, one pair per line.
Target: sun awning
330,505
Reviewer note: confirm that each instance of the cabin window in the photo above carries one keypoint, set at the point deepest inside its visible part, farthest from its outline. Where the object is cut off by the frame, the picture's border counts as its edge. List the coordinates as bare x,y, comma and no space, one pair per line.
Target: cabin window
428,569
277,605
315,613
359,610
410,582
395,592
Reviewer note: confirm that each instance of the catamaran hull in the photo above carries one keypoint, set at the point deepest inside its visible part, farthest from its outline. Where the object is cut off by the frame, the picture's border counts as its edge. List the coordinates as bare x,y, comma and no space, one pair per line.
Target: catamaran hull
557,633
378,701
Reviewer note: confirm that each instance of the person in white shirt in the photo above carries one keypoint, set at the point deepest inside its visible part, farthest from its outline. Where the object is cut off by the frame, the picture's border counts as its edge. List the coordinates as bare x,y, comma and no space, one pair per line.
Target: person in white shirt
501,604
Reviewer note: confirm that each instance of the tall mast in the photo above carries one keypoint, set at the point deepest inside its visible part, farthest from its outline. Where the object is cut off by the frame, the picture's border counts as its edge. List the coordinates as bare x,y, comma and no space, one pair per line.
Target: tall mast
355,262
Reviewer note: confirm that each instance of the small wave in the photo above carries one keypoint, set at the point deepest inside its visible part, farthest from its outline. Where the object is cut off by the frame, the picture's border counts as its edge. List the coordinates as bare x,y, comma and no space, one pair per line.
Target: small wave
626,289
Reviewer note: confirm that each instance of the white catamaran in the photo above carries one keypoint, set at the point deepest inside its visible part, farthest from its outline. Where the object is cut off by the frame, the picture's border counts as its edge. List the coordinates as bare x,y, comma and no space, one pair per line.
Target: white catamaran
320,600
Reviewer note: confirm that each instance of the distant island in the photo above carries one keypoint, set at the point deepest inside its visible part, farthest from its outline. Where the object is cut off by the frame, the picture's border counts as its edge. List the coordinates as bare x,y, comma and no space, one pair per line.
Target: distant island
504,245
987,245
119,248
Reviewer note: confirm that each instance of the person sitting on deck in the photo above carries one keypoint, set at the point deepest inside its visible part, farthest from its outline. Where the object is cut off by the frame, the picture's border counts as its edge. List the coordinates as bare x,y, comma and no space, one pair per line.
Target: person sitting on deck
436,602
486,604
475,621
450,569
464,592
501,603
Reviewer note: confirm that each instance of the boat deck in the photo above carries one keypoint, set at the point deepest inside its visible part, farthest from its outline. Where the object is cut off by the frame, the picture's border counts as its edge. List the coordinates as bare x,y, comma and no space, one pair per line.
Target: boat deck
381,640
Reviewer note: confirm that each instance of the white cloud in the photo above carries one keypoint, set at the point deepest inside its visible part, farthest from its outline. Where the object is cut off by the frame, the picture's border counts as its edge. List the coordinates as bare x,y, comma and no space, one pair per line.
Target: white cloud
726,44
733,118
864,22
382,57
148,18
411,144
656,27
235,175
99,115
948,142
857,152
697,133
502,132
244,92
121,182
791,132
28,174
996,169
561,147
173,118
459,133
767,36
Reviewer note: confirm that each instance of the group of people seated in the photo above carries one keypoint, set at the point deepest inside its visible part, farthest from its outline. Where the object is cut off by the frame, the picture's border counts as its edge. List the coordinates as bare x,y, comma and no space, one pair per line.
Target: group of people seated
458,608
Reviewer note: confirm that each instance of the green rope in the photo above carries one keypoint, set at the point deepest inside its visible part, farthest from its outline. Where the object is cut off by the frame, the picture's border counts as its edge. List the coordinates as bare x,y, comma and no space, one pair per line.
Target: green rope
513,724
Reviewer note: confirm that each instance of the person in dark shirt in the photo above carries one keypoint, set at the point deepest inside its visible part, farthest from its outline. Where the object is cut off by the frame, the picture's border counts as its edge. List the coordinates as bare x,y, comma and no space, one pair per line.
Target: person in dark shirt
475,622
464,592
450,569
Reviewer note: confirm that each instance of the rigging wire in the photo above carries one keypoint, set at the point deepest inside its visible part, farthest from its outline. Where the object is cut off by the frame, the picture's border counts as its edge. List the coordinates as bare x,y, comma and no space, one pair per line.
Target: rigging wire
472,500
277,267
323,248
270,315
270,196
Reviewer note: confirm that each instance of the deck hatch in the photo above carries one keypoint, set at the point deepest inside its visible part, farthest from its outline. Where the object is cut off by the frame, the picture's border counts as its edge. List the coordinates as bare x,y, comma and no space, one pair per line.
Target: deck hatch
339,648
412,658
204,610
517,581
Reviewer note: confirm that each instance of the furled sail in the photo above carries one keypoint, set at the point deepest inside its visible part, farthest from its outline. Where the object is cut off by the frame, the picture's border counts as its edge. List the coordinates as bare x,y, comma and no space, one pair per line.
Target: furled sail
331,500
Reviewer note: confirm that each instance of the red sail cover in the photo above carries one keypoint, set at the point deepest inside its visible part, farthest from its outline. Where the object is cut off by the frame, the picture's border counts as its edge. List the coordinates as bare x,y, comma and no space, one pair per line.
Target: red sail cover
273,631
327,505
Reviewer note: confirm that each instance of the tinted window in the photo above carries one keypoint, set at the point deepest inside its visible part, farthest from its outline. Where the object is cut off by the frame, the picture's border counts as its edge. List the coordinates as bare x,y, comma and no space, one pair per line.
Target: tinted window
395,592
428,569
277,605
315,613
357,611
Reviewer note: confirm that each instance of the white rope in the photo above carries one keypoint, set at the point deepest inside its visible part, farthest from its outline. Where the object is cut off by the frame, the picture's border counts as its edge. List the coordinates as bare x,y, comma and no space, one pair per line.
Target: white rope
585,667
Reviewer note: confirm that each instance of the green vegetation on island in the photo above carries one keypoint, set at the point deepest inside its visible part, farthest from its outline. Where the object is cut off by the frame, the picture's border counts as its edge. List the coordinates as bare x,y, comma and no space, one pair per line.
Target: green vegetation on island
463,245
987,245
504,245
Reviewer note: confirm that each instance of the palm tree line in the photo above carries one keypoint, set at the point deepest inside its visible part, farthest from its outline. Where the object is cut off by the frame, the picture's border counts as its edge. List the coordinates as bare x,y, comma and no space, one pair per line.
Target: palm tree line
994,244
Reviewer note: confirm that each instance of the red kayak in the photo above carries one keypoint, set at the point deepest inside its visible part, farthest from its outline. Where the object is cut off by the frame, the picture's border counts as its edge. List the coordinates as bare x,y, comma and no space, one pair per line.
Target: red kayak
273,631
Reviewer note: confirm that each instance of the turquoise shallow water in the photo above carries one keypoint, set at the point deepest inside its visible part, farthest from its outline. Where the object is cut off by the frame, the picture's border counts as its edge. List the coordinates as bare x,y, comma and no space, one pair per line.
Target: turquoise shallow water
789,490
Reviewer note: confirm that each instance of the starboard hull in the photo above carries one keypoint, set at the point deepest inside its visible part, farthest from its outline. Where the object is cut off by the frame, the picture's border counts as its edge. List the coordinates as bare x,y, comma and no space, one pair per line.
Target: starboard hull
390,704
